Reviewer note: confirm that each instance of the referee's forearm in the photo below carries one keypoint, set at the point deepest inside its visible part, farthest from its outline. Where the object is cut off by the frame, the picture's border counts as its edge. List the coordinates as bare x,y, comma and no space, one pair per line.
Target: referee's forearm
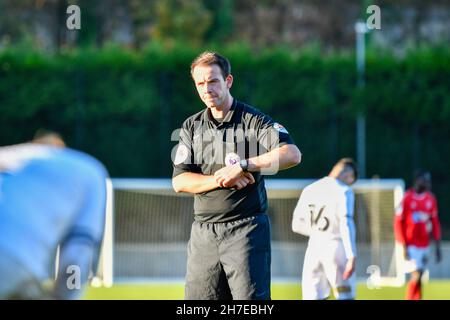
194,183
280,158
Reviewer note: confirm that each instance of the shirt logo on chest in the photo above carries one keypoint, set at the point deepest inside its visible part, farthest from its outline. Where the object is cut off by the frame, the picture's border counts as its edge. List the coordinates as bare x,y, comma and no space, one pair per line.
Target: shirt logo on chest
419,216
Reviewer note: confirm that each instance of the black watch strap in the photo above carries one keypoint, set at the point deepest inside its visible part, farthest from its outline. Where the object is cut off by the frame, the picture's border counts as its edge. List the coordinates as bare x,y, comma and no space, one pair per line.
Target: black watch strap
244,165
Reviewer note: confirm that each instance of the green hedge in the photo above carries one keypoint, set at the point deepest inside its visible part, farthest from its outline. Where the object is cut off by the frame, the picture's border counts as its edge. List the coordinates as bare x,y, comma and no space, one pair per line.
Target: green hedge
122,106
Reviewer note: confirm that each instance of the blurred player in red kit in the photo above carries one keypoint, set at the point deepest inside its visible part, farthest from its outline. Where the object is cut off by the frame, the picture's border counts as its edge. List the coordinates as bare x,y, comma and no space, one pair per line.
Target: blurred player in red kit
416,221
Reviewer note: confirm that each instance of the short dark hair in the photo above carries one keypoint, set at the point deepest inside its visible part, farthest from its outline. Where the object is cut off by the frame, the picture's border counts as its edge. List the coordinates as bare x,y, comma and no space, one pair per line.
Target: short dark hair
210,58
421,173
349,163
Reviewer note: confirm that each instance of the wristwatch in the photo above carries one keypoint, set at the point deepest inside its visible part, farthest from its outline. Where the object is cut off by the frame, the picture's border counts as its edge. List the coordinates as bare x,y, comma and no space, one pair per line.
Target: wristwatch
244,165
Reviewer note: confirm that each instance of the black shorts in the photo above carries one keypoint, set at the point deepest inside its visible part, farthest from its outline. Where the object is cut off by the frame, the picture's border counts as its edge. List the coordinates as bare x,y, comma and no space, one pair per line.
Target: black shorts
229,260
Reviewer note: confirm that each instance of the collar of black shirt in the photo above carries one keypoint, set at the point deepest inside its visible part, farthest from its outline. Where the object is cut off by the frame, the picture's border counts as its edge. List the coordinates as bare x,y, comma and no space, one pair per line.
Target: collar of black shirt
229,118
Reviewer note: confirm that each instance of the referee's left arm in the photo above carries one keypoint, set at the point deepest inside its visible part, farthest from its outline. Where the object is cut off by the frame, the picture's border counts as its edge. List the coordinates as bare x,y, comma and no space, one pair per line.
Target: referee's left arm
277,149
280,158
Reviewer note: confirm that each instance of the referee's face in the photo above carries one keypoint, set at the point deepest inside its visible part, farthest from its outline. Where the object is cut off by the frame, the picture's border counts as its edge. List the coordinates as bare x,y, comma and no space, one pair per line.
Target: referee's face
212,88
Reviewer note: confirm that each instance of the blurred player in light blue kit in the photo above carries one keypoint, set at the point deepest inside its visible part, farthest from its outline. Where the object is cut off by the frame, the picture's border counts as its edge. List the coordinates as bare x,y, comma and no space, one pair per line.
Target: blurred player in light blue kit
49,196
324,212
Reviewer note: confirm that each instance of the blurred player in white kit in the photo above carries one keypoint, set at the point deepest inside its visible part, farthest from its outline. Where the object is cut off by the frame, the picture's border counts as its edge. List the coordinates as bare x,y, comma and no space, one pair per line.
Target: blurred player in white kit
49,196
324,212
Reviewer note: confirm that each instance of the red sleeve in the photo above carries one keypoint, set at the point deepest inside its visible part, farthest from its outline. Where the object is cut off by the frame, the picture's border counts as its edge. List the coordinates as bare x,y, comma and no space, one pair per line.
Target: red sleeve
435,221
400,223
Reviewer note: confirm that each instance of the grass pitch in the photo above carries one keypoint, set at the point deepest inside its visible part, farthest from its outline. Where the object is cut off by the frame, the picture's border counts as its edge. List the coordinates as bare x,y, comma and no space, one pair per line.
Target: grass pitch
435,290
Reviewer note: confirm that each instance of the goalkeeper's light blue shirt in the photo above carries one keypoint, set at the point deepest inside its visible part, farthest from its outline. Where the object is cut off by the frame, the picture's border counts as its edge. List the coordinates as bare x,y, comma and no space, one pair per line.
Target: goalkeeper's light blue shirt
49,196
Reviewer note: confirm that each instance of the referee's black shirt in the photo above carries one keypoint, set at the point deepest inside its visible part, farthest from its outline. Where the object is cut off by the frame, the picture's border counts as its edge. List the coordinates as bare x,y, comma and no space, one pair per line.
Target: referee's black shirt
207,145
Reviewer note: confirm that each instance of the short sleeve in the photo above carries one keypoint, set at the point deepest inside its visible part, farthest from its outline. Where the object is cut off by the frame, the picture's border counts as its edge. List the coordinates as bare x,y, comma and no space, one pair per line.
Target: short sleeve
183,154
271,134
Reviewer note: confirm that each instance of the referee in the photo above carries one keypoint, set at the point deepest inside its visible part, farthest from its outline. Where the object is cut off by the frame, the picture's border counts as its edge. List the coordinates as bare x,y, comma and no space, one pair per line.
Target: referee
222,155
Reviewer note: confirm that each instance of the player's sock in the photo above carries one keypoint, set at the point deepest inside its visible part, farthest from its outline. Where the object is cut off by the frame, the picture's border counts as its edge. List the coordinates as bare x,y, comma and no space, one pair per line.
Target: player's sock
413,290
409,290
418,291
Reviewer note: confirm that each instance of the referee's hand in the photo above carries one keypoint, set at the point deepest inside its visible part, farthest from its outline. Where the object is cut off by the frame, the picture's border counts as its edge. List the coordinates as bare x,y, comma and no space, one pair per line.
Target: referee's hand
247,178
233,176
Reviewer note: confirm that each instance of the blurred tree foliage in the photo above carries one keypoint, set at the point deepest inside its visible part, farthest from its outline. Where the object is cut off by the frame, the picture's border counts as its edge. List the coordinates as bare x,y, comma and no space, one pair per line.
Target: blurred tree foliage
260,23
182,20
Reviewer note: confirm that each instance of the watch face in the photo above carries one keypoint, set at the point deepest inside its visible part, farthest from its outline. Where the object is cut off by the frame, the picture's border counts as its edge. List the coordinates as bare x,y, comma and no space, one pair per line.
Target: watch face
244,164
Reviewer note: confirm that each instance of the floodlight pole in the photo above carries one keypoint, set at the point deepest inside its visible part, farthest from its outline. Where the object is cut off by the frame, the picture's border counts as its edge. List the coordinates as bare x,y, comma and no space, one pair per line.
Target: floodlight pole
361,30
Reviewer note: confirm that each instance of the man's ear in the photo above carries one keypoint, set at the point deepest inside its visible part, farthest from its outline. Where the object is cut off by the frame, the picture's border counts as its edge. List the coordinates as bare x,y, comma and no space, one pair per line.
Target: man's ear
229,81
